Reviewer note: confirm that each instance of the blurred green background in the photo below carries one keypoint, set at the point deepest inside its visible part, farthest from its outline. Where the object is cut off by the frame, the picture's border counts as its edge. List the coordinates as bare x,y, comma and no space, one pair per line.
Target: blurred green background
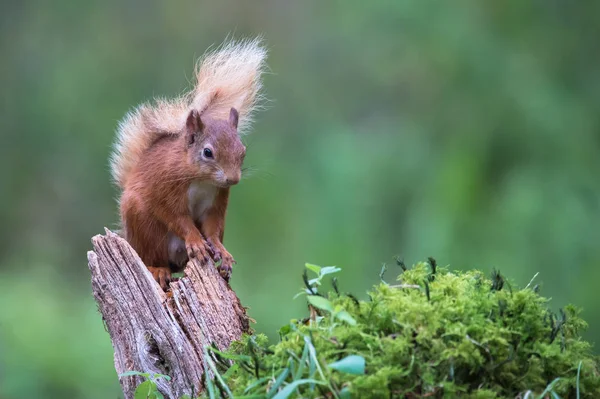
468,131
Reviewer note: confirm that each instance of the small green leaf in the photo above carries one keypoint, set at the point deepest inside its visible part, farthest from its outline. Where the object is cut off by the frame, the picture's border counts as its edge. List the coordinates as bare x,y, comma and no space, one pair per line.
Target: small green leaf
320,302
352,364
285,330
287,391
314,281
145,390
345,393
301,293
131,373
329,270
158,375
313,268
345,316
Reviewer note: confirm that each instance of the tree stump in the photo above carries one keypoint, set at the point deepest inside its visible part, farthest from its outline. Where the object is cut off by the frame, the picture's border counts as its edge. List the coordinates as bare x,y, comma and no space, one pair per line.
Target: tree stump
157,332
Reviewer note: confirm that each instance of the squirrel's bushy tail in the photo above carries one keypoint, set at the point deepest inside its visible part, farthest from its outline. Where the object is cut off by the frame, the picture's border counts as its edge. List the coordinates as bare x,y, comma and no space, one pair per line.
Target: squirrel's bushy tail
229,76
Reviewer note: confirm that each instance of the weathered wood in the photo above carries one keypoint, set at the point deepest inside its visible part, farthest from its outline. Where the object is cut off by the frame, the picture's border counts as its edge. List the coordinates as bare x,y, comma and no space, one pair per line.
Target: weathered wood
157,332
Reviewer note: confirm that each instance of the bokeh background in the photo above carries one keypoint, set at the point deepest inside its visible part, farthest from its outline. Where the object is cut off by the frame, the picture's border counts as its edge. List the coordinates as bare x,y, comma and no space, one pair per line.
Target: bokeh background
468,131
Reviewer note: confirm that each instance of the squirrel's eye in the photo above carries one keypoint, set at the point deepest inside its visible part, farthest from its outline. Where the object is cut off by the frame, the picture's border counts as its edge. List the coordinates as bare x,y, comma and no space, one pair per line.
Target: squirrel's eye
207,153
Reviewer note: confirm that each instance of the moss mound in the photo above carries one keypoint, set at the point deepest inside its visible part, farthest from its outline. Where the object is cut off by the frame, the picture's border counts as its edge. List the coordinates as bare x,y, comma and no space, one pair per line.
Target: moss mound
433,333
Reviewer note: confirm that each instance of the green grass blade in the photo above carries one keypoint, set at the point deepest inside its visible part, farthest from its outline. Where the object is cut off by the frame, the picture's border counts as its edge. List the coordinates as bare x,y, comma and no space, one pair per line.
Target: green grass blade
578,375
216,373
287,391
282,376
313,355
549,388
235,367
256,384
209,385
302,363
229,355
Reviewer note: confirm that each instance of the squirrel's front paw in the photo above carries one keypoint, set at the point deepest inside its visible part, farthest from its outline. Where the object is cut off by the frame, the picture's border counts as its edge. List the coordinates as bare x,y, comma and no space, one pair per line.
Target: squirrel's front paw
197,249
162,275
224,268
215,250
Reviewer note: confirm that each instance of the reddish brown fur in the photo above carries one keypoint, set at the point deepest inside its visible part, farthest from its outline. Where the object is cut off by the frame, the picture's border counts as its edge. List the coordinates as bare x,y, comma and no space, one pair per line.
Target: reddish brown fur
155,196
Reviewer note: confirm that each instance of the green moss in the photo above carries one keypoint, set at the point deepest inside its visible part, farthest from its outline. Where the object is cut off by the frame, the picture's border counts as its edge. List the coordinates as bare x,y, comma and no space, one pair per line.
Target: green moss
450,334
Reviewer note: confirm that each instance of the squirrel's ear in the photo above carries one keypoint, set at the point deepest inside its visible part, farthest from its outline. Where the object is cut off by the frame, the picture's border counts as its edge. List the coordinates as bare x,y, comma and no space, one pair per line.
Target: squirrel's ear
233,117
193,124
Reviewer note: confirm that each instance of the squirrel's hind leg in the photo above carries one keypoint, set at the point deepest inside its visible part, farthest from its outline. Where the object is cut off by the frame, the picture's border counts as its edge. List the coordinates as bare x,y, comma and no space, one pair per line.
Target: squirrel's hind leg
178,256
162,275
147,237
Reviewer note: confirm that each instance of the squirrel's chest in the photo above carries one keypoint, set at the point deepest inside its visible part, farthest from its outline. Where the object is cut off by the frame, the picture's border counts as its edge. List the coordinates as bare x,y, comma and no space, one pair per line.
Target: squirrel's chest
201,197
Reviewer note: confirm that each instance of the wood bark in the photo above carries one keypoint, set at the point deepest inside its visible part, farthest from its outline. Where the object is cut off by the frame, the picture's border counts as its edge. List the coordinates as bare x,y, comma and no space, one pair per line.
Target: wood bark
157,332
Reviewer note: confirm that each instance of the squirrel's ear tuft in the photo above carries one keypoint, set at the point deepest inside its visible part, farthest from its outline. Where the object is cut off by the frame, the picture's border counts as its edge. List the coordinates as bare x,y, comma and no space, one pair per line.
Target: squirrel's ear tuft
233,117
193,124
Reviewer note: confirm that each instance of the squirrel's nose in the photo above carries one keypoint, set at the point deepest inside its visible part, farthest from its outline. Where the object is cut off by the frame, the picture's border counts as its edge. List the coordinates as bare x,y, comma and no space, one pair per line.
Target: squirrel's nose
233,180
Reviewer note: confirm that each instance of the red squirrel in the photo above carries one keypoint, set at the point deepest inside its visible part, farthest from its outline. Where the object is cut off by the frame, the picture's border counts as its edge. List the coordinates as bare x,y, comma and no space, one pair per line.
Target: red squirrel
176,160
